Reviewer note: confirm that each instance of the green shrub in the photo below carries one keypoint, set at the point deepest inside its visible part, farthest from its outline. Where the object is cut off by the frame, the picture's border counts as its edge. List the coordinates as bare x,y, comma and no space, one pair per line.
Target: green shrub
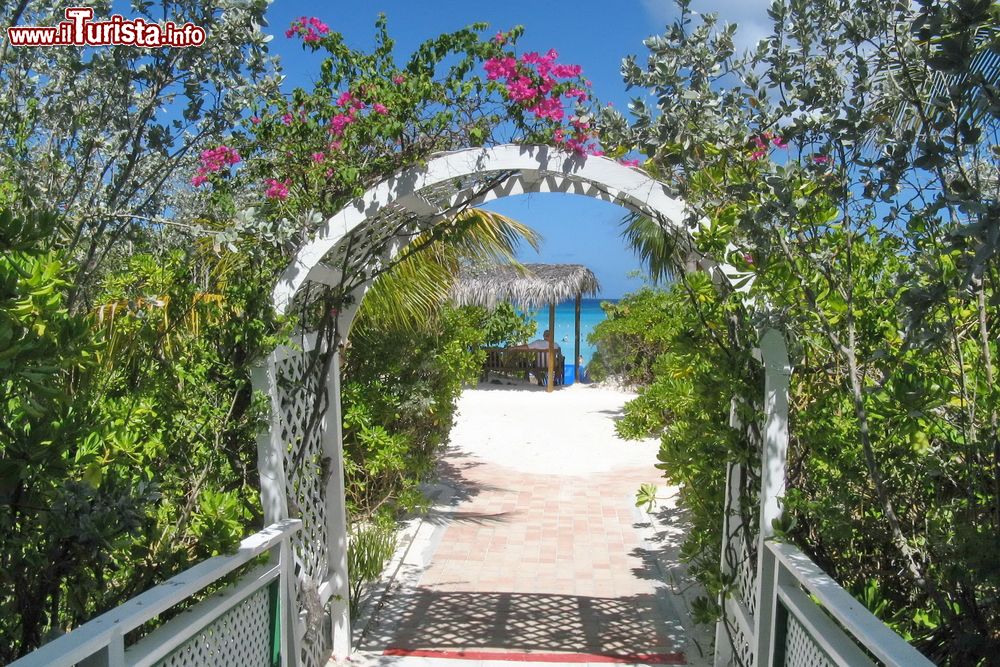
398,395
504,325
369,549
630,338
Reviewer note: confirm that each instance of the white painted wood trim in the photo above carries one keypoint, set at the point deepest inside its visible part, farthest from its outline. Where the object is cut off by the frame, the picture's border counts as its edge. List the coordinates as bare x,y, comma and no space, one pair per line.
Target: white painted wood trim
336,513
102,631
742,615
870,632
270,457
837,646
777,372
564,172
178,630
730,520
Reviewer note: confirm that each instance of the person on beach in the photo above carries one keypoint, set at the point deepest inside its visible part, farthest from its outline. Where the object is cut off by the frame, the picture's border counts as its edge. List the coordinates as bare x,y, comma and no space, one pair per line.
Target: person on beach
542,343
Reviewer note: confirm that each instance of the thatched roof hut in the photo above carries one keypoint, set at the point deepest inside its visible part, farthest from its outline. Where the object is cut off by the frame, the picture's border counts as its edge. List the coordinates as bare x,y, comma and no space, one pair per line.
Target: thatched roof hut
529,286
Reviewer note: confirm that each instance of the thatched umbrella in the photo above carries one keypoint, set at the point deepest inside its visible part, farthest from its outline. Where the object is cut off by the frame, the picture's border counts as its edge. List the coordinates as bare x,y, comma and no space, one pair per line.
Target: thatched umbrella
529,286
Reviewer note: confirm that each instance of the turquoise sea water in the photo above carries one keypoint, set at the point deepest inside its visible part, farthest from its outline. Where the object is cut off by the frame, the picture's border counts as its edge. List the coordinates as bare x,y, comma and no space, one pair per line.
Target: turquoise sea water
590,315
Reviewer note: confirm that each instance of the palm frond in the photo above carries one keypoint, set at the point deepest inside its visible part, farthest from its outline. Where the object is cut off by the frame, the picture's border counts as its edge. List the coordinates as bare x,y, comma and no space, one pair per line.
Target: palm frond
906,76
661,251
413,289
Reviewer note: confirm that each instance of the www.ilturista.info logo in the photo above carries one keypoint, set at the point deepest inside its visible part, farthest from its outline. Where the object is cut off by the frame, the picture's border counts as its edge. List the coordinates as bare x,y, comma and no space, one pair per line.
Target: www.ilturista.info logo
79,30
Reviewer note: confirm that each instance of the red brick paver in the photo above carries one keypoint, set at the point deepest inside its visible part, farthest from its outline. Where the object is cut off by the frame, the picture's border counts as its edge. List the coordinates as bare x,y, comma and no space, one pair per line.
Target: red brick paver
542,564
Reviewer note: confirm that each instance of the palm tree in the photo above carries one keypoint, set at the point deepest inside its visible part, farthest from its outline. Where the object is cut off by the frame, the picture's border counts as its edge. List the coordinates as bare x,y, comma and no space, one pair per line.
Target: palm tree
664,252
413,290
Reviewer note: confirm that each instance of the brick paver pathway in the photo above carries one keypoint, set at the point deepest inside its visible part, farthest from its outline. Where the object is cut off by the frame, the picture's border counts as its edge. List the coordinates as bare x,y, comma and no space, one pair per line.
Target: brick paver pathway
540,565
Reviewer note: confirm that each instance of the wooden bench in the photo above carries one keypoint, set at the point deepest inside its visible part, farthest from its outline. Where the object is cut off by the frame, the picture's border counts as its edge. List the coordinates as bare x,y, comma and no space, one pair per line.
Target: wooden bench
517,363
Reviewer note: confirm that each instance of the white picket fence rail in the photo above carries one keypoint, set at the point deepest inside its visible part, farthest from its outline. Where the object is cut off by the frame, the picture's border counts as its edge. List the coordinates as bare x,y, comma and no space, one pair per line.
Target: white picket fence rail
243,624
811,620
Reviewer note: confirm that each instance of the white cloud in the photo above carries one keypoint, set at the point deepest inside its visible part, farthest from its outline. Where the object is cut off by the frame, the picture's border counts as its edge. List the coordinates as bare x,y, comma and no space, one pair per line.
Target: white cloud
750,15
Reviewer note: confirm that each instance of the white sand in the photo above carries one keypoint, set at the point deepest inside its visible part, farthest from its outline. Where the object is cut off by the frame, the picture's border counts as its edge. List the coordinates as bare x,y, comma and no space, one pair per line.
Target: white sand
570,431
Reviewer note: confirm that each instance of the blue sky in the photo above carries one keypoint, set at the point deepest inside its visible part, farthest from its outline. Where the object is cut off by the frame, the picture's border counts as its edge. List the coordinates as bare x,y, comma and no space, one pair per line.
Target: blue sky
593,33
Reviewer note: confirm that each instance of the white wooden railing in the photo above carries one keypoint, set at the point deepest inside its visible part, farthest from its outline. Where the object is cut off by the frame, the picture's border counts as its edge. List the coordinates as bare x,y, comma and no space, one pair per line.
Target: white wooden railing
814,621
244,624
782,608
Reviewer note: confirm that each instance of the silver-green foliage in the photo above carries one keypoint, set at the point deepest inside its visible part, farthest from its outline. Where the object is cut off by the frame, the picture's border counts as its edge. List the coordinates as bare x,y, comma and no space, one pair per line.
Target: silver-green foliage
852,155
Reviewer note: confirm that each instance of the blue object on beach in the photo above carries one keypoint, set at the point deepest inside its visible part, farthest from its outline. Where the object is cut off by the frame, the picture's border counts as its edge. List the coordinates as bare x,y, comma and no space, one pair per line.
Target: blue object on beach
568,375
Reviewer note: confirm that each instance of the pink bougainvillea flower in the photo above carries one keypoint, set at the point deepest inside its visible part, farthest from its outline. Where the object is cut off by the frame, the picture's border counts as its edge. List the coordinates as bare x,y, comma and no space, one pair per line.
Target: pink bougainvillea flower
779,142
497,68
549,108
216,158
318,157
320,27
566,71
500,38
287,119
339,122
277,189
380,108
311,29
821,159
521,90
335,145
399,79
345,99
760,143
530,82
213,160
629,163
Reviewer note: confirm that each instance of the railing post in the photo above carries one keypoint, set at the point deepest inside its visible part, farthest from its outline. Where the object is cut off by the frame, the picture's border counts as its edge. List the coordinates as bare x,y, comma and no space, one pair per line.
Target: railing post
274,500
287,607
777,371
336,511
730,525
270,457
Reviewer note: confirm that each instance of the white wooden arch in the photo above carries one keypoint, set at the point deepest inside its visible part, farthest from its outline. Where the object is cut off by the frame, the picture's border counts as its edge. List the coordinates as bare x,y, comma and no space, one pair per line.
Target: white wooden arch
368,233
345,255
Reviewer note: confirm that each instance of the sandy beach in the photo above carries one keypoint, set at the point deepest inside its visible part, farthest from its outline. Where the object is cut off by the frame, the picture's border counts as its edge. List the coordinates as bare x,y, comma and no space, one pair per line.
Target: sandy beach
570,431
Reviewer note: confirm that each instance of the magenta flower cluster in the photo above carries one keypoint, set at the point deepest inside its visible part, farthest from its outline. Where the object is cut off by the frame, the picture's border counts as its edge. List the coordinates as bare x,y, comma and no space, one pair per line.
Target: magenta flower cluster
761,143
277,189
351,105
214,160
538,84
310,28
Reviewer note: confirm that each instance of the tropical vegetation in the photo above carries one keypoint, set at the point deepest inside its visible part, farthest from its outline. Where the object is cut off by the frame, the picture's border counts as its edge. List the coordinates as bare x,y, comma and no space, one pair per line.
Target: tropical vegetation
851,159
149,200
